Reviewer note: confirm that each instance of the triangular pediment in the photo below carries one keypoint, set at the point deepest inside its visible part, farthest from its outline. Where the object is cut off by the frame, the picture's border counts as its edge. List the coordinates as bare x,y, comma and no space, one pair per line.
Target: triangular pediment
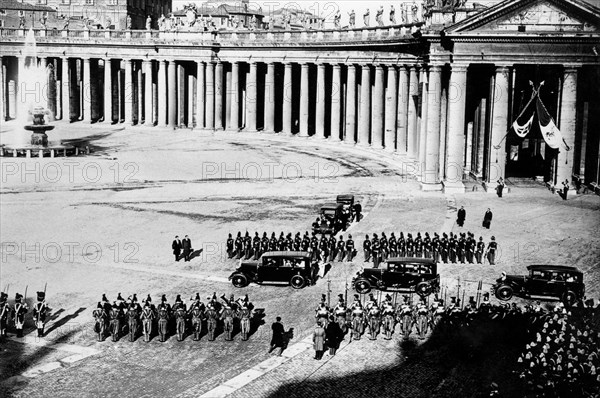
533,16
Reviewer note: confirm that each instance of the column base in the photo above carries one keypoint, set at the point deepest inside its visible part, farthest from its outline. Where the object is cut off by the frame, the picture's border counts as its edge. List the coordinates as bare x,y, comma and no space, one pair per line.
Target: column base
431,187
377,147
453,187
232,130
249,131
268,132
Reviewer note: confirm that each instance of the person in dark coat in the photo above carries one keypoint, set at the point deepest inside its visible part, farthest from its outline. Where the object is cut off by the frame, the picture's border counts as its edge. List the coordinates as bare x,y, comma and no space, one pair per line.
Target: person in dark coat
333,336
357,211
319,340
500,187
487,219
277,338
462,214
176,246
565,190
187,248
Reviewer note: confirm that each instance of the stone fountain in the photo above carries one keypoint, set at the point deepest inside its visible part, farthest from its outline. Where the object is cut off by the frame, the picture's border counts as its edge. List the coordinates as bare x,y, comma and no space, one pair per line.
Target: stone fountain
39,127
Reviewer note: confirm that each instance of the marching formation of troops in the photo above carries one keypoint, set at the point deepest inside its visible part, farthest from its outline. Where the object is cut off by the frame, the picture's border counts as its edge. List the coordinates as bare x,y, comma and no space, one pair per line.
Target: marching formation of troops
130,317
16,314
323,249
457,248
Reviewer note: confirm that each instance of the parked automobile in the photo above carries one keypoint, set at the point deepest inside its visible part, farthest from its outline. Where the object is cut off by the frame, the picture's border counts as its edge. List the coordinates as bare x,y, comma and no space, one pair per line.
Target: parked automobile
556,281
418,275
291,267
347,201
332,219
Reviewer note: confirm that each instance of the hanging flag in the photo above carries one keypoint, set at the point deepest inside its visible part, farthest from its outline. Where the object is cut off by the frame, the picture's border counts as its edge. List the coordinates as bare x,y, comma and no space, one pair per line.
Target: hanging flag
550,132
523,130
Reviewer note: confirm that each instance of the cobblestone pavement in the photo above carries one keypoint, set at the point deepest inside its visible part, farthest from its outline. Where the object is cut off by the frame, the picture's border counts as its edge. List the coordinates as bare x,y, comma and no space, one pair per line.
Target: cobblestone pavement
121,229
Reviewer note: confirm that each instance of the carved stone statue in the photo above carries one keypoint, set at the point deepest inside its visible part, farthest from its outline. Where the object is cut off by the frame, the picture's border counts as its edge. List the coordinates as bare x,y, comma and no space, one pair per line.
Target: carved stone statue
366,17
22,22
190,14
379,16
128,22
162,22
352,19
44,20
393,15
149,23
107,23
336,19
415,12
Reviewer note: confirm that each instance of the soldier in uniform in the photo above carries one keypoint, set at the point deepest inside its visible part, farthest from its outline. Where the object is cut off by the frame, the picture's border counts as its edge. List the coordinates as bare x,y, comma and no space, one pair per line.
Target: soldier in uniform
306,242
410,248
245,315
40,311
256,246
437,312
247,246
4,314
384,247
147,317
18,314
401,245
491,251
389,315
164,315
444,248
100,316
273,242
341,249
469,248
115,316
460,249
322,312
358,325
340,311
211,316
324,248
367,248
180,314
133,316
406,315
452,249
392,243
230,247
239,246
374,318
227,316
435,247
480,250
331,248
297,242
351,252
375,250
264,244
422,318
418,245
427,246
281,242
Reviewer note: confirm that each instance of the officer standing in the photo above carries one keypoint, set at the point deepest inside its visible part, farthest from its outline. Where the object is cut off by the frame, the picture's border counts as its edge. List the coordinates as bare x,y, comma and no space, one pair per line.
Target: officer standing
357,211
341,249
367,248
410,248
4,313
230,246
383,244
18,313
392,243
444,248
462,214
40,311
147,318
239,246
256,246
418,245
163,318
480,250
401,245
375,251
350,248
452,248
435,247
491,251
460,248
332,248
427,246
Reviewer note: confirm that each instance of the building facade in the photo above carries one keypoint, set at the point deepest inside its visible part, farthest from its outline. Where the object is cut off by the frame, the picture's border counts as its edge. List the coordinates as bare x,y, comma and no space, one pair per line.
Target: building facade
442,97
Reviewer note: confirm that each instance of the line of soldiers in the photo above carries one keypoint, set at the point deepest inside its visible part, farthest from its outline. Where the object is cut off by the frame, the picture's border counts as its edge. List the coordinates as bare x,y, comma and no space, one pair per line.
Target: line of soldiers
130,317
456,248
16,314
324,249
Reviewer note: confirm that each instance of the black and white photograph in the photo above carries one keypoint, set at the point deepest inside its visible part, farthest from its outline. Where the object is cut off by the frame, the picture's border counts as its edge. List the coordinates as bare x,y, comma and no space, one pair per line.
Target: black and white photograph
300,199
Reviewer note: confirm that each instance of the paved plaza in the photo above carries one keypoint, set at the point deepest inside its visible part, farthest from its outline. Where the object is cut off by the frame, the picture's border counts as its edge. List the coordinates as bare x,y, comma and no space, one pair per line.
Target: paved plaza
104,223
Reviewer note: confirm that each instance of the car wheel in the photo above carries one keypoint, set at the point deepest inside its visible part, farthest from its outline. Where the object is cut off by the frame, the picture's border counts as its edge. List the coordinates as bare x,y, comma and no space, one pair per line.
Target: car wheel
569,298
239,280
504,293
423,289
297,282
362,286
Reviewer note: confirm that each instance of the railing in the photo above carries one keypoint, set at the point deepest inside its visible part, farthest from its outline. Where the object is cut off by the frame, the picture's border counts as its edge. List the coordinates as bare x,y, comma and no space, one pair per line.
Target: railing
232,37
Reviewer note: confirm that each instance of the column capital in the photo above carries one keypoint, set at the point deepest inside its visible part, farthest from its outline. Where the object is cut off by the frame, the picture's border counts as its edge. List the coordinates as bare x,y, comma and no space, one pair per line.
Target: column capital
435,68
570,69
336,66
459,68
503,68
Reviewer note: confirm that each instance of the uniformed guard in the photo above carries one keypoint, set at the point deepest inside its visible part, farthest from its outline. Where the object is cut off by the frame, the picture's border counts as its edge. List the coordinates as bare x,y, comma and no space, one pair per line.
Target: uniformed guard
374,319
406,316
101,320
227,318
371,302
239,246
444,248
132,318
389,315
164,314
264,244
120,302
306,242
401,245
322,312
460,248
256,246
147,317
281,242
273,243
418,245
324,248
422,318
197,315
350,250
383,247
247,246
393,245
375,250
115,316
211,316
230,247
469,248
341,249
435,247
40,311
18,313
437,312
410,246
297,242
367,248
358,325
4,314
340,311
289,242
452,248
314,247
180,313
245,315
332,248
491,251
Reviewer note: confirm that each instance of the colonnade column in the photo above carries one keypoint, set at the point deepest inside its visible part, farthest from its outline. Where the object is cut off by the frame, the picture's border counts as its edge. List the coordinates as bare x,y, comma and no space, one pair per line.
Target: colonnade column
128,92
270,99
87,96
402,118
377,115
209,108
235,96
3,99
200,101
107,91
162,94
568,122
411,124
350,133
219,96
304,97
21,86
457,99
497,158
430,179
336,102
148,110
364,114
320,102
287,99
391,110
65,91
422,122
251,98
172,94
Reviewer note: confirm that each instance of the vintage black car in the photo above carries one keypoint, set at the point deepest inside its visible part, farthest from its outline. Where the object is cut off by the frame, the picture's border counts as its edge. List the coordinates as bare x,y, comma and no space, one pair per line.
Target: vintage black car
557,281
418,275
333,219
347,201
290,267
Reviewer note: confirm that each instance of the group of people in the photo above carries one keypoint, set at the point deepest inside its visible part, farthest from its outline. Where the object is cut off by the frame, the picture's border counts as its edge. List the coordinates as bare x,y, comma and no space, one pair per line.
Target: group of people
182,248
461,216
562,358
454,248
15,315
132,317
323,249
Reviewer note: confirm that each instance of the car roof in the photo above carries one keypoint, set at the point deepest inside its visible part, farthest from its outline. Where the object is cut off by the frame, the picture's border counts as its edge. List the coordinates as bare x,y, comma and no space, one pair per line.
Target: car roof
410,260
559,268
331,206
345,197
287,254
